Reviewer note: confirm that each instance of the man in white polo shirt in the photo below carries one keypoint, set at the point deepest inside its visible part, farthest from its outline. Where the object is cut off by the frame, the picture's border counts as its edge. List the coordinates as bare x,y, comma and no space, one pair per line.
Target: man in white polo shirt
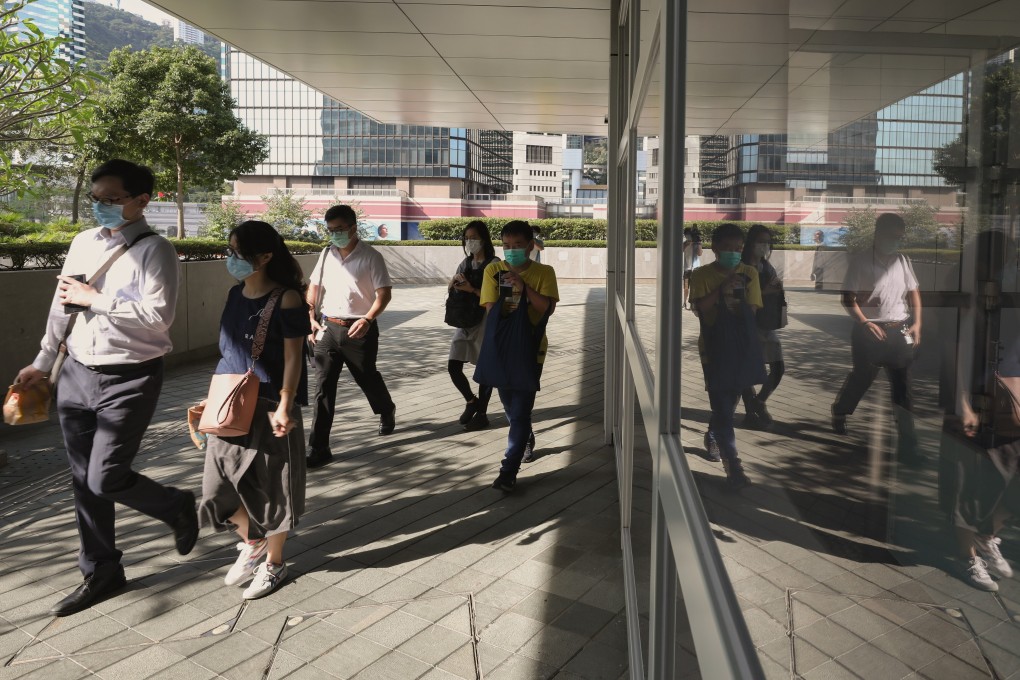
349,289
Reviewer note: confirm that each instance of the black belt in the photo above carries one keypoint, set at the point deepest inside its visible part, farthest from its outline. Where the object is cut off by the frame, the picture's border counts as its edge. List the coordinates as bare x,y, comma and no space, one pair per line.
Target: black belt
123,369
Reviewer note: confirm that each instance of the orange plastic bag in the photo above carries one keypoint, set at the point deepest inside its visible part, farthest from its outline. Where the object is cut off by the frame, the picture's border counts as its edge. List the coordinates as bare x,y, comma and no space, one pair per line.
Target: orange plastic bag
27,405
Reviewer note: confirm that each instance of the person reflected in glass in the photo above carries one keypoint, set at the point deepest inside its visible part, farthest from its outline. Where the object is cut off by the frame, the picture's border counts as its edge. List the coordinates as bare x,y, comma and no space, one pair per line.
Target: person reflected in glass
254,484
536,252
881,296
979,460
691,258
726,294
467,342
770,318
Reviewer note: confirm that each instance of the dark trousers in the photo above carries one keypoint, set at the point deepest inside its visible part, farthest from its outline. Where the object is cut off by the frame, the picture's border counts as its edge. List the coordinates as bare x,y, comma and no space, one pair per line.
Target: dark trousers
720,425
864,372
103,417
518,405
331,353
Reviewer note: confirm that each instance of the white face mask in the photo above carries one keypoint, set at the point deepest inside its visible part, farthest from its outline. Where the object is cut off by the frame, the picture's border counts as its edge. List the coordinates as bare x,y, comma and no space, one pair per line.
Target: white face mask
473,245
761,249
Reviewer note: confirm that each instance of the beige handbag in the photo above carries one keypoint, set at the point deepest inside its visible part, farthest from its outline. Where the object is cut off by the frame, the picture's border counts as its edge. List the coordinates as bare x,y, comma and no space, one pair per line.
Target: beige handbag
27,405
230,406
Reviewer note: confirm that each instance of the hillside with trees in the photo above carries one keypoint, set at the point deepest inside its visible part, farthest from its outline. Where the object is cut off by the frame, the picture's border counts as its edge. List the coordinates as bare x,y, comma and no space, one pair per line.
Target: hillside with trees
108,28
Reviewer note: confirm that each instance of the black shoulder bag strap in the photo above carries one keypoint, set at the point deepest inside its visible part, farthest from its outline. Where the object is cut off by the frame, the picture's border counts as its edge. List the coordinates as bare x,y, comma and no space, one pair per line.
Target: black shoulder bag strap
62,349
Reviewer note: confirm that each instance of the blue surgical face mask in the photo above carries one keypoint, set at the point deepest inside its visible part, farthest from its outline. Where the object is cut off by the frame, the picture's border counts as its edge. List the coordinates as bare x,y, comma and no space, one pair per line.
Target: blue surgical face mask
109,216
341,239
515,257
239,268
729,259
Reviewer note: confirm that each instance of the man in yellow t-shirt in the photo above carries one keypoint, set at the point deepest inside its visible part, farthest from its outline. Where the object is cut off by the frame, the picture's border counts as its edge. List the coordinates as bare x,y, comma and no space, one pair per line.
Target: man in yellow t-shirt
729,282
537,282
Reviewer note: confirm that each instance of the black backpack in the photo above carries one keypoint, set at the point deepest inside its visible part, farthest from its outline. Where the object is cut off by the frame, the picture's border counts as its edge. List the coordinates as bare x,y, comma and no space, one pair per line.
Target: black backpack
462,308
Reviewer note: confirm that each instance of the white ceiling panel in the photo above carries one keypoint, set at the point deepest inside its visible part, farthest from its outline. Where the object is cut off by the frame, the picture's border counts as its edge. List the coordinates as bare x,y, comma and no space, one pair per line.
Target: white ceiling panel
752,65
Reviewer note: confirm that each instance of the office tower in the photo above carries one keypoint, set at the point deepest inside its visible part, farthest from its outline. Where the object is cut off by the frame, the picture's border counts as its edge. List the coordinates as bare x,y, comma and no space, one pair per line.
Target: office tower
59,19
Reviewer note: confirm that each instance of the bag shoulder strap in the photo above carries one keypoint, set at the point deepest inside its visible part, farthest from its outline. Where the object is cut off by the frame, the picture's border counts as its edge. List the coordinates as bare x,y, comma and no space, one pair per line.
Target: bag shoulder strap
100,272
318,293
259,343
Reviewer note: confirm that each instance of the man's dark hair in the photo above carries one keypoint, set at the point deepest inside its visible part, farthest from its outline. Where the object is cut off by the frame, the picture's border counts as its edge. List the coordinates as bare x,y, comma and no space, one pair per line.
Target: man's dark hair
344,213
137,179
517,228
888,222
725,232
537,231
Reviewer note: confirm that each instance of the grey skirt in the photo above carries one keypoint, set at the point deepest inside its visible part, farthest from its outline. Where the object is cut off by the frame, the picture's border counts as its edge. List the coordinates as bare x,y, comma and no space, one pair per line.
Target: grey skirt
467,343
262,473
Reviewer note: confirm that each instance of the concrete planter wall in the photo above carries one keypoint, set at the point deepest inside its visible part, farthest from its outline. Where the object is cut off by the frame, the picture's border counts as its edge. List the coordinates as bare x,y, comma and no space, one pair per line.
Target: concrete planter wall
195,332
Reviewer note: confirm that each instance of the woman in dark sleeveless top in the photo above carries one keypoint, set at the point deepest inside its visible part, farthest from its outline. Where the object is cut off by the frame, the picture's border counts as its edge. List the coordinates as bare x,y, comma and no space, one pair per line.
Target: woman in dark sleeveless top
255,483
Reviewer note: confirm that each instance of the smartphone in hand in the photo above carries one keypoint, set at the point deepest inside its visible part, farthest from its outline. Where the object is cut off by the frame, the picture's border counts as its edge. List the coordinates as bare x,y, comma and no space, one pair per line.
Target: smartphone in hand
74,309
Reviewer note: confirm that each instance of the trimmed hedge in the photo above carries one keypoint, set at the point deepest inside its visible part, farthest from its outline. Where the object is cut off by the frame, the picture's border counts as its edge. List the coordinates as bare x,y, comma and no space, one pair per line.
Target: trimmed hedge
585,229
27,252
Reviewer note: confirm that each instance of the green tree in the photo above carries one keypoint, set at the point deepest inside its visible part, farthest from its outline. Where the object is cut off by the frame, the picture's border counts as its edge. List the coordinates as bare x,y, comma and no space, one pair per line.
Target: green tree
922,227
44,105
222,218
170,108
286,212
596,160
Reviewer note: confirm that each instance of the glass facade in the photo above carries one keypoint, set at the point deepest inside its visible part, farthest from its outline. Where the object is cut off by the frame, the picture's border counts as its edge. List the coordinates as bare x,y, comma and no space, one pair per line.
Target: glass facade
894,147
314,135
836,454
59,19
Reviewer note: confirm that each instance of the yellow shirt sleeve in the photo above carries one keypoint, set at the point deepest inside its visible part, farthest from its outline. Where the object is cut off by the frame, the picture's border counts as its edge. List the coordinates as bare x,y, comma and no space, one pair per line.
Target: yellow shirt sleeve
701,282
490,289
547,283
753,288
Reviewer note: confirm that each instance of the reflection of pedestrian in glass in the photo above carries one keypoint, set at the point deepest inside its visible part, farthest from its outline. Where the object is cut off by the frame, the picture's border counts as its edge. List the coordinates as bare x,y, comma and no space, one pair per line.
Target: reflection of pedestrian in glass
467,341
725,294
691,257
770,318
881,296
979,488
536,253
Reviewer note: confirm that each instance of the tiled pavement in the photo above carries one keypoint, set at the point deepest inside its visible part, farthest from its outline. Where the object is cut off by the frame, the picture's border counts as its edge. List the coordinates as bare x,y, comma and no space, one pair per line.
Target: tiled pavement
404,547
838,542
405,565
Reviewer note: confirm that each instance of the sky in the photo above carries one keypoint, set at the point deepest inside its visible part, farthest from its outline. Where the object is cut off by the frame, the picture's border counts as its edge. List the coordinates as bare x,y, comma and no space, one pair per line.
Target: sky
140,8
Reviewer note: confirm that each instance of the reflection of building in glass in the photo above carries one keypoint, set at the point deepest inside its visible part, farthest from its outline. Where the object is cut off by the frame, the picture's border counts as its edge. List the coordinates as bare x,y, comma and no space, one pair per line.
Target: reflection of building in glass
538,164
888,154
317,142
58,19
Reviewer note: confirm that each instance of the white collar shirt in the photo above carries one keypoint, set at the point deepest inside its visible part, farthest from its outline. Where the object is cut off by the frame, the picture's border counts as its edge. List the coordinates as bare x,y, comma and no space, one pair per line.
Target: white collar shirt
130,320
348,285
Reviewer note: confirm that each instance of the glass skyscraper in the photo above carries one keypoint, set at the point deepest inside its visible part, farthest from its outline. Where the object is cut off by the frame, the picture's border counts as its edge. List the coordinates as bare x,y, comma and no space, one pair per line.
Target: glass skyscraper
59,19
885,153
312,135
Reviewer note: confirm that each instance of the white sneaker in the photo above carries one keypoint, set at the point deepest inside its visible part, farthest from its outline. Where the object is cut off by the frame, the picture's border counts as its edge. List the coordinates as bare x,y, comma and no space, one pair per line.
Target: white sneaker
244,566
988,546
267,578
977,574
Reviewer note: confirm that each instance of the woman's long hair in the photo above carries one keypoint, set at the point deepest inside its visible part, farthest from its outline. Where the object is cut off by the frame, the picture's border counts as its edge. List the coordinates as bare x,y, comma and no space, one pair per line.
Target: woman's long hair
752,238
258,238
483,236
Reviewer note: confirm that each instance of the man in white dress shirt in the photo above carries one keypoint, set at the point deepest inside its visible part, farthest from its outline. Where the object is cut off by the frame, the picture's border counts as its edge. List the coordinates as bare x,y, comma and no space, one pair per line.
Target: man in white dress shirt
349,288
113,374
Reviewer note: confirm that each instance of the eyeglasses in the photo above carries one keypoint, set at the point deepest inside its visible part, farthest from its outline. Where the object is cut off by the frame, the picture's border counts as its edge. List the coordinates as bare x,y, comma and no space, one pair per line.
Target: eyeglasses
107,201
341,229
230,252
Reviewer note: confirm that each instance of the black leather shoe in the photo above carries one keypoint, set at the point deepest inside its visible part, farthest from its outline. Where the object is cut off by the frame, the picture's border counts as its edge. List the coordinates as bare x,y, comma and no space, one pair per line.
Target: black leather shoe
387,422
469,411
94,589
185,525
479,421
317,458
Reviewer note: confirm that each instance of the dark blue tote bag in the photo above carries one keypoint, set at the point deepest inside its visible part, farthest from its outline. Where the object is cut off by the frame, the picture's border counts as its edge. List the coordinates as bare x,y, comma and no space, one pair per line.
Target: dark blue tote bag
509,355
735,357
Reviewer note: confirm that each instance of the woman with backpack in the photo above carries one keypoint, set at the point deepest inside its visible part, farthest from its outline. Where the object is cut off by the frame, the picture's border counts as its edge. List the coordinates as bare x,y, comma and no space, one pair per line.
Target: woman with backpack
464,311
770,318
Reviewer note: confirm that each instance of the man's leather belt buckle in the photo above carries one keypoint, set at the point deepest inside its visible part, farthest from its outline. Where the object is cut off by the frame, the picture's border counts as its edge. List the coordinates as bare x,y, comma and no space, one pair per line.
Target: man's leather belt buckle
340,321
